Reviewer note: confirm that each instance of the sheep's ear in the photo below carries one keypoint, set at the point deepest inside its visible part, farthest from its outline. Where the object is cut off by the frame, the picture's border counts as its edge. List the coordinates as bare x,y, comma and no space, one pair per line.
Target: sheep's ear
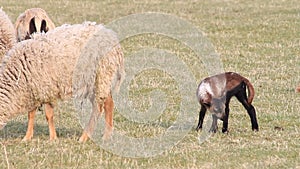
32,27
44,27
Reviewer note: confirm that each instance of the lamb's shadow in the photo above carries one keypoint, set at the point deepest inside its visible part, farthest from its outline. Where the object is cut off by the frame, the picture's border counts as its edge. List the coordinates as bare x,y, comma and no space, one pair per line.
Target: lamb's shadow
15,130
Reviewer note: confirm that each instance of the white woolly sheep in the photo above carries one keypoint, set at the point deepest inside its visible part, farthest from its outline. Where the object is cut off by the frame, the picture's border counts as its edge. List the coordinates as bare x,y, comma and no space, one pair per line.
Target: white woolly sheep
7,34
42,70
32,20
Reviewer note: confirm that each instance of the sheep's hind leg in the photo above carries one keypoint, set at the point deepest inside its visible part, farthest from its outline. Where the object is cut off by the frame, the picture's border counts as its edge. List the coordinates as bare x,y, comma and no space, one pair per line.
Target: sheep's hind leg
49,116
88,130
107,106
29,132
108,109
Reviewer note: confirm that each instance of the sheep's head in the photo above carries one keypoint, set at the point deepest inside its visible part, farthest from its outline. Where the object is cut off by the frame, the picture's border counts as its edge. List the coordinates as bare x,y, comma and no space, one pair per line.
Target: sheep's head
34,20
36,24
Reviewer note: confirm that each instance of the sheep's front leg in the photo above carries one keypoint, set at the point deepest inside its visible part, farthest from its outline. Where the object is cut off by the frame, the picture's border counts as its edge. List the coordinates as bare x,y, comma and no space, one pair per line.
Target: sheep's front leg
30,126
49,116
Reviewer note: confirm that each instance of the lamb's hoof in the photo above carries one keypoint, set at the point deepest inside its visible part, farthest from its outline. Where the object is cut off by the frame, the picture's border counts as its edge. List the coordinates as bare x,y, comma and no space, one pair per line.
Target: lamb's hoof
84,137
225,131
213,129
198,128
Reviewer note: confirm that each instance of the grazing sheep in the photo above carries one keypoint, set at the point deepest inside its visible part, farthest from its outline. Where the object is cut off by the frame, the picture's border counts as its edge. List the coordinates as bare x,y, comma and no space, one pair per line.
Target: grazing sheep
31,21
7,34
41,70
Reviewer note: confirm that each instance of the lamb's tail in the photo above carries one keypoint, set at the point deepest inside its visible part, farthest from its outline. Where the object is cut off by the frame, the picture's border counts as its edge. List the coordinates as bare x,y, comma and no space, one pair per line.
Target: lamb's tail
251,91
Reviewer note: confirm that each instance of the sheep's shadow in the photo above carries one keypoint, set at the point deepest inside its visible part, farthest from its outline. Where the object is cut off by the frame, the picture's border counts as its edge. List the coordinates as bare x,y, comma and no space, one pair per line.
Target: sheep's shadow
15,130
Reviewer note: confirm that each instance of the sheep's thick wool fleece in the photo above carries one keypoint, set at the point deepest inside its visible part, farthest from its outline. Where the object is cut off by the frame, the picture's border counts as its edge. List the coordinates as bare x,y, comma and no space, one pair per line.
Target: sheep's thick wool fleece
41,70
7,33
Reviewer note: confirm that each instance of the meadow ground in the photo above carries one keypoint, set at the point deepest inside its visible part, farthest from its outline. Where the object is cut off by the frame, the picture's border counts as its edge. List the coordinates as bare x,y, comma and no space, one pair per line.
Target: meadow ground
258,39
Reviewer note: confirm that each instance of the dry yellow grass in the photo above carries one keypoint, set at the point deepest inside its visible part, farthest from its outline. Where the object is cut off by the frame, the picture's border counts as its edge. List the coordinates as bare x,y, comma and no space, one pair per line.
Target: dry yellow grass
258,39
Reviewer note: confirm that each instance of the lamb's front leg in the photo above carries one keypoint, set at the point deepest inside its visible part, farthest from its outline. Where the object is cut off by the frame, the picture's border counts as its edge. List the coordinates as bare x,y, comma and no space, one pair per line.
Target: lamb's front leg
214,125
201,117
30,126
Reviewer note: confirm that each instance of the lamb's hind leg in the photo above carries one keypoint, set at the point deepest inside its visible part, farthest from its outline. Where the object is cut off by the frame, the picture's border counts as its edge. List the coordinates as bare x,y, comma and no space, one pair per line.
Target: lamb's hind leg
30,126
49,116
225,118
241,96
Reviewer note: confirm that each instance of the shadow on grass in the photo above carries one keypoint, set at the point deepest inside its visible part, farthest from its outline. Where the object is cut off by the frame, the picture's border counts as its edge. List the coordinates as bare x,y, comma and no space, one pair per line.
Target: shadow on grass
14,130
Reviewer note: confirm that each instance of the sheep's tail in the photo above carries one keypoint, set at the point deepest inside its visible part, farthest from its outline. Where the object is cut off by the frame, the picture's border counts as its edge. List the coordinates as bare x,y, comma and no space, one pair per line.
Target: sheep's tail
120,72
251,91
7,34
100,67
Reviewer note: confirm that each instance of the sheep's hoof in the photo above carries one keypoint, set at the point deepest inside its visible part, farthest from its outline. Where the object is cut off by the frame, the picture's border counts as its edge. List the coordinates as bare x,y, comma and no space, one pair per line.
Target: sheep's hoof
106,136
26,139
84,137
107,133
53,138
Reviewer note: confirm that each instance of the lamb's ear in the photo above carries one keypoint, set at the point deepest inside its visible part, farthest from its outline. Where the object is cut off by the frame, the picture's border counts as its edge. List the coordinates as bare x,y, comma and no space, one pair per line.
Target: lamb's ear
44,27
206,100
32,27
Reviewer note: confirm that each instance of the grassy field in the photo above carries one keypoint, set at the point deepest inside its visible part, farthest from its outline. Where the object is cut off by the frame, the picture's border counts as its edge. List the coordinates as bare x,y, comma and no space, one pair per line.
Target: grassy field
258,39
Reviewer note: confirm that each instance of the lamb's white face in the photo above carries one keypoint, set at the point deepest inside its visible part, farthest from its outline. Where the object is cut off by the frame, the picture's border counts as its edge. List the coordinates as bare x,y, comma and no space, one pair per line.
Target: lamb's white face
212,93
217,107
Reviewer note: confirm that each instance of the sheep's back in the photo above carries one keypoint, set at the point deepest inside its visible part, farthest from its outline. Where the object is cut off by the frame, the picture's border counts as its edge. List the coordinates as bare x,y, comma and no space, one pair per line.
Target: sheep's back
41,70
7,34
